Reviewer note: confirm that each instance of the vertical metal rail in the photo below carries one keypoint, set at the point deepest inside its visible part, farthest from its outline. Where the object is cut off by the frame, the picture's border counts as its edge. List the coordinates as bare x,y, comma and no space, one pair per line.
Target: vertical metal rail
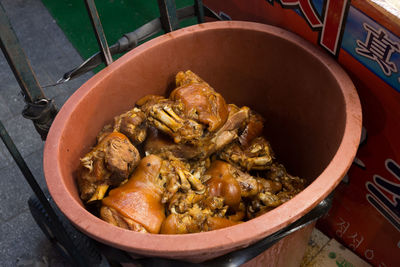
199,10
23,166
100,36
38,108
17,60
19,160
169,18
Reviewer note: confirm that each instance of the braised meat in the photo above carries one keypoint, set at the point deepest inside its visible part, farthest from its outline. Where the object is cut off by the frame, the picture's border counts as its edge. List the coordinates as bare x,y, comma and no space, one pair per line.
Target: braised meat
192,111
277,188
108,164
257,155
158,142
206,165
190,213
132,123
200,102
141,200
137,203
253,128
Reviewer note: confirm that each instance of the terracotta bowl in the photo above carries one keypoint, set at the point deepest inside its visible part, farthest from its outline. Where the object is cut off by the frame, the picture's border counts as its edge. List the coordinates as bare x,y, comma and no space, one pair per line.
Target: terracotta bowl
312,111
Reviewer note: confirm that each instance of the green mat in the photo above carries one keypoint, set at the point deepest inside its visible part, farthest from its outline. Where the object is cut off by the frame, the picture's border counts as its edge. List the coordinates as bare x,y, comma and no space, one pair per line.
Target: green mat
117,16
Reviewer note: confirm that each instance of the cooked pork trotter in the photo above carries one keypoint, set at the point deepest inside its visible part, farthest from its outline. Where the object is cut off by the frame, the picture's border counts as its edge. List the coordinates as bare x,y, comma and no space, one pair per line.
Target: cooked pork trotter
112,216
109,163
200,102
157,142
254,127
138,201
177,173
192,110
133,124
173,225
167,116
223,184
257,155
229,131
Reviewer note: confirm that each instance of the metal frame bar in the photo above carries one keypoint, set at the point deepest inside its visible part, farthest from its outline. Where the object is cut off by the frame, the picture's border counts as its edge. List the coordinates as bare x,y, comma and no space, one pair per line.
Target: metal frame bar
38,108
199,10
19,160
98,29
18,61
130,40
169,18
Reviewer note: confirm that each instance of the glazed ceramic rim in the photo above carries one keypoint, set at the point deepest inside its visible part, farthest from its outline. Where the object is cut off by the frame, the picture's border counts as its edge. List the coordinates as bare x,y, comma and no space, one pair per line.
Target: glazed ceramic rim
223,239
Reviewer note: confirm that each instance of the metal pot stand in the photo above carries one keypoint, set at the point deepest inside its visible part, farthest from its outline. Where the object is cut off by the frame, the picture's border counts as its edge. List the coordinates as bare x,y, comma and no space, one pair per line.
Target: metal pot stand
75,246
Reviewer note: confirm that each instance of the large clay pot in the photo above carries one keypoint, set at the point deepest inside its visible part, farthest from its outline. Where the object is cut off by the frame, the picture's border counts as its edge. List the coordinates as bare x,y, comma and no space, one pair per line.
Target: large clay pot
313,121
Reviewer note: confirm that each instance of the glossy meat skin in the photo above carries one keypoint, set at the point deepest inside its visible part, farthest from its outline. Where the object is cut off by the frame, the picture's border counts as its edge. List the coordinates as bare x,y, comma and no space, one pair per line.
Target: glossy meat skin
200,102
139,199
253,128
236,186
222,183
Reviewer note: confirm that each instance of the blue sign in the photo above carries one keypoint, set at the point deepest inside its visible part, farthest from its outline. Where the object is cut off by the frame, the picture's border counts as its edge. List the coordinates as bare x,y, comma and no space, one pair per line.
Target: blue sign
373,46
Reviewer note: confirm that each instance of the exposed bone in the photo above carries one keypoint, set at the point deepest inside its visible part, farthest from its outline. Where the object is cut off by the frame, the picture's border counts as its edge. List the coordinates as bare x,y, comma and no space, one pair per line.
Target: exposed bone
131,123
161,126
172,188
171,112
185,185
260,163
99,193
87,162
222,139
236,118
258,156
249,186
196,183
164,117
256,148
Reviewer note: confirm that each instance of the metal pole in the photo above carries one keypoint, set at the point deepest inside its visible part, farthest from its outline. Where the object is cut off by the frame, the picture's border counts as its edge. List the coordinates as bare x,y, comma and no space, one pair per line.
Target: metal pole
38,108
17,60
199,10
100,36
36,189
169,18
